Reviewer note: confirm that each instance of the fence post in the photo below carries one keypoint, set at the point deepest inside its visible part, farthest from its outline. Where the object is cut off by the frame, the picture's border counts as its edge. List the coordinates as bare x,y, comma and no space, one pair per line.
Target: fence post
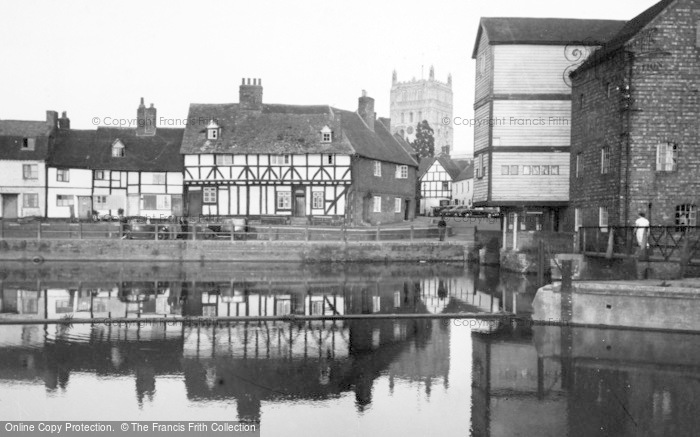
411,232
194,231
157,232
269,231
345,233
377,236
38,231
80,230
233,231
540,263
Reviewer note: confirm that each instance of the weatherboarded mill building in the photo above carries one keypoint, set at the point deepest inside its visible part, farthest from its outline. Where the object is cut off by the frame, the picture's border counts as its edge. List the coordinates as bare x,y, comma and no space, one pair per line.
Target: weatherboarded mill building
636,122
293,162
523,113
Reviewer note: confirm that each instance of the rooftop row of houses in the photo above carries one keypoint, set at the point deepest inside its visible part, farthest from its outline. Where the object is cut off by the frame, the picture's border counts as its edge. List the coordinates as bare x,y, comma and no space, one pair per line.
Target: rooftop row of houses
240,159
587,122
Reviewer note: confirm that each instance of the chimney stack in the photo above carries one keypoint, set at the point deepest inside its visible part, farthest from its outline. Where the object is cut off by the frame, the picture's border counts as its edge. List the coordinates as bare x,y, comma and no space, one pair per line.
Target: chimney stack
145,120
64,121
365,108
52,119
250,95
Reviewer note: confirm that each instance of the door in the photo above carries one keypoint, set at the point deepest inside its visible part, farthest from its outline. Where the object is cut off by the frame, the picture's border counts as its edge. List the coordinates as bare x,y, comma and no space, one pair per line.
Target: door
9,206
84,207
194,203
300,202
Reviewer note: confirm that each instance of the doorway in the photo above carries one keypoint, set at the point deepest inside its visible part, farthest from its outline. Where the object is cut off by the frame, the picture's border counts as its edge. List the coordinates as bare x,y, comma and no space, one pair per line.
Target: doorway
9,206
194,203
84,207
299,202
406,206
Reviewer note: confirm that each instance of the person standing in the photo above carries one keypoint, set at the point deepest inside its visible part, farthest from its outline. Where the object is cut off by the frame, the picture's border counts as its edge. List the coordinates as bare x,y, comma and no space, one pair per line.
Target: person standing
641,230
442,227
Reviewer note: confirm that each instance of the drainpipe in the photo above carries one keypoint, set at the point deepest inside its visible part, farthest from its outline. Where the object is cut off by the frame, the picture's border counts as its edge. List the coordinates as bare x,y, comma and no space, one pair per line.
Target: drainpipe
627,117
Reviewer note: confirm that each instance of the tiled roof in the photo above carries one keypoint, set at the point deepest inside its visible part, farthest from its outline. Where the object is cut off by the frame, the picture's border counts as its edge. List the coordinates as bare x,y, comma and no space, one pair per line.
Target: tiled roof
626,33
160,152
12,134
424,166
467,173
288,129
73,148
546,31
450,167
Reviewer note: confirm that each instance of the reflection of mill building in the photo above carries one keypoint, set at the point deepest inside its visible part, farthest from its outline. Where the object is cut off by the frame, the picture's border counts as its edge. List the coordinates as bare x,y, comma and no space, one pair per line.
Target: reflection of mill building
425,99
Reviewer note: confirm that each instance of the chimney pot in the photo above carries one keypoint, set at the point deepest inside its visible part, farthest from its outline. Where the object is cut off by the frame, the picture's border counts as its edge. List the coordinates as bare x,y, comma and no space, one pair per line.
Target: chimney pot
243,81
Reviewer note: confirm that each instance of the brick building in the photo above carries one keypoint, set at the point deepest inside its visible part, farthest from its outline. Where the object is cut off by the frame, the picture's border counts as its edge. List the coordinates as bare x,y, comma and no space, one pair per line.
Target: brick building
636,121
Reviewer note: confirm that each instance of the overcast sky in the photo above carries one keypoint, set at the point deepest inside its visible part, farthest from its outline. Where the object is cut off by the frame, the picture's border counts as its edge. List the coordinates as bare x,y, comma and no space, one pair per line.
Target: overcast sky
96,59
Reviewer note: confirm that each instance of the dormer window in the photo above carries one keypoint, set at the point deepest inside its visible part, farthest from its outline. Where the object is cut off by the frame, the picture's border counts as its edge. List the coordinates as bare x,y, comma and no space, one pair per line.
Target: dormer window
117,149
213,131
28,143
326,135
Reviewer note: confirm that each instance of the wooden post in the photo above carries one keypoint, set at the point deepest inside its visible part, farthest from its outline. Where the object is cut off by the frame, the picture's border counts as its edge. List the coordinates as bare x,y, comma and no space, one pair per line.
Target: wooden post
411,232
515,231
566,292
233,230
269,230
345,233
38,231
377,232
540,263
194,231
157,233
504,243
611,242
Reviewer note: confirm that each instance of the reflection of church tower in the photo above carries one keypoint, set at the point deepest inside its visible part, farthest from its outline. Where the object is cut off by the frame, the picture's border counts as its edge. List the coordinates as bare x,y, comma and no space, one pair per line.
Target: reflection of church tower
425,99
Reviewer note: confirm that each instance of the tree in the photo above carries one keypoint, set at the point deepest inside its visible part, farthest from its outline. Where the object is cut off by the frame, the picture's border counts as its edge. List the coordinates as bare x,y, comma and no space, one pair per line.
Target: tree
424,144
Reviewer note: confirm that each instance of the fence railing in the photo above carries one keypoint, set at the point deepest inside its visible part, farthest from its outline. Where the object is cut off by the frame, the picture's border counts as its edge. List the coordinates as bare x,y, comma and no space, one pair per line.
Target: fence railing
208,231
666,242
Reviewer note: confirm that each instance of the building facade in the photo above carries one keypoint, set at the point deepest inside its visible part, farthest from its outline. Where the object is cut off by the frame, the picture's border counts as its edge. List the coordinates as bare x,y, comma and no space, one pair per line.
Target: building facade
437,175
24,150
463,187
636,123
417,100
523,112
295,162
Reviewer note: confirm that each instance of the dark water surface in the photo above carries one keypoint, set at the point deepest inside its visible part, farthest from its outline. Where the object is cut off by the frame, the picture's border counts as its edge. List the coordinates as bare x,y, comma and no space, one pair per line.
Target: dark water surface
408,377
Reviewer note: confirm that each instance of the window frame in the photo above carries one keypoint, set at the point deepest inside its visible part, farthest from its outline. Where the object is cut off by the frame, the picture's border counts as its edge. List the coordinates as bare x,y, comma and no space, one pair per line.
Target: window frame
100,175
397,205
315,196
603,213
210,195
26,197
286,198
662,157
377,169
30,172
65,200
62,175
376,203
223,159
605,160
28,144
285,158
401,171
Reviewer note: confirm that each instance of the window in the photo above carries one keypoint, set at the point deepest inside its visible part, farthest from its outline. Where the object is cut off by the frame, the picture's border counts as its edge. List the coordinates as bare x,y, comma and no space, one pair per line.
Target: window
117,149
100,202
156,201
329,159
605,160
377,204
536,170
480,167
483,166
378,168
284,200
30,171
159,178
224,159
666,157
64,200
397,204
505,170
514,169
554,170
579,165
686,215
545,170
99,175
28,143
526,169
401,172
326,134
577,219
30,200
209,194
212,131
279,159
603,218
445,186
317,199
410,117
62,175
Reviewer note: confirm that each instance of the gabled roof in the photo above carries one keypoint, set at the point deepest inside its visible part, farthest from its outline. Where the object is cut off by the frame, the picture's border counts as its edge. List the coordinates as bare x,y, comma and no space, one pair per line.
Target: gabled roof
467,173
12,134
546,31
626,33
452,169
159,152
289,129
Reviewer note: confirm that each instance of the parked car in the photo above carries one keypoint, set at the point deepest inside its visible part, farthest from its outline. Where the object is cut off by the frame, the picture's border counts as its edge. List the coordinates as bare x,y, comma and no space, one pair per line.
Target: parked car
140,228
437,210
461,211
484,212
210,231
450,211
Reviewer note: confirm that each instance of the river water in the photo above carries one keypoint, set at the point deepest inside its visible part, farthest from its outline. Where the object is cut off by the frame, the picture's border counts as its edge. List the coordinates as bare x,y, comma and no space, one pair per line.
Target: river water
406,377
